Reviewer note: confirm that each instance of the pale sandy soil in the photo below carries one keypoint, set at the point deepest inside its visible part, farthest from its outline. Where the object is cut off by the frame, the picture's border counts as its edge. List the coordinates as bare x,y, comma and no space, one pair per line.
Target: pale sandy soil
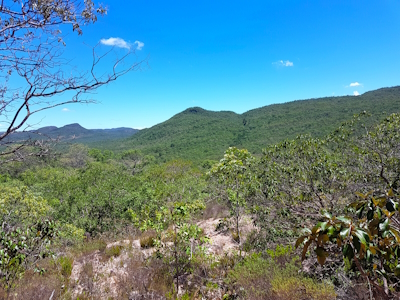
95,273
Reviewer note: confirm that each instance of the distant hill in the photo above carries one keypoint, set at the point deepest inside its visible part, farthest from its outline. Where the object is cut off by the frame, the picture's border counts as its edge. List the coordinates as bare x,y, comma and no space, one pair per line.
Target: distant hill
198,134
75,133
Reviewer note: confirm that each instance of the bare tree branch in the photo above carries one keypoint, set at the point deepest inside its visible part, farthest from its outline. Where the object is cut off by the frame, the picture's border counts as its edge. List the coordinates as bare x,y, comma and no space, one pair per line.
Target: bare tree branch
31,52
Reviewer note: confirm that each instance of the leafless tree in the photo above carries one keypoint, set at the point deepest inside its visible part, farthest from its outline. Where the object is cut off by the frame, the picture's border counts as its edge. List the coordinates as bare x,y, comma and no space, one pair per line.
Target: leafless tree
34,73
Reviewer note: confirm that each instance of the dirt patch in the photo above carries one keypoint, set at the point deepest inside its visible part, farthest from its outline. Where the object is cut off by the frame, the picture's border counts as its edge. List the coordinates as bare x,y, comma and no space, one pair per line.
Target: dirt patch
103,275
221,241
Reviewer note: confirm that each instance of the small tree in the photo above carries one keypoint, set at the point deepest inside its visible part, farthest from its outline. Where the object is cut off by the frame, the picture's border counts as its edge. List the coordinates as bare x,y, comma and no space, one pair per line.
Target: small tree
184,236
178,192
233,173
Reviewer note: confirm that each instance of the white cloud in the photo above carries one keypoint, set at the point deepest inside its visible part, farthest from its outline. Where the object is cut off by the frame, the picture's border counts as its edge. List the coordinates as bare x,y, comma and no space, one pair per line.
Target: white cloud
65,109
355,84
355,93
117,42
139,44
283,63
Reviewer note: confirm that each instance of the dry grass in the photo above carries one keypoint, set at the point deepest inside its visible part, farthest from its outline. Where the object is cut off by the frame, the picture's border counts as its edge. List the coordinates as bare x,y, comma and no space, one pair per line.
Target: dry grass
114,251
33,286
142,280
215,210
147,239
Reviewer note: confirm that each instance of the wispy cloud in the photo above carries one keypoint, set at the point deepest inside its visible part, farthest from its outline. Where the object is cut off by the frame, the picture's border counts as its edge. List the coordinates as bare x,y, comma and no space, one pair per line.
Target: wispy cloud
139,44
117,42
355,93
283,63
65,109
355,84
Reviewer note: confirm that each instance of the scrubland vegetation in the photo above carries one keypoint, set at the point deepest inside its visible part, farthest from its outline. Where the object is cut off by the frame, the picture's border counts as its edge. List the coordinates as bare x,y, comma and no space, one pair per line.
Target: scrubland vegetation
310,218
162,215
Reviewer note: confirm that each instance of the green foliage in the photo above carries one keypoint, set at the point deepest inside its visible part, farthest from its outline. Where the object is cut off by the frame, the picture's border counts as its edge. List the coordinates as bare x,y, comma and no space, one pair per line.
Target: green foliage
182,200
233,173
70,235
95,198
20,248
19,205
114,251
66,264
197,134
276,277
371,239
298,179
186,238
101,155
164,185
368,235
76,157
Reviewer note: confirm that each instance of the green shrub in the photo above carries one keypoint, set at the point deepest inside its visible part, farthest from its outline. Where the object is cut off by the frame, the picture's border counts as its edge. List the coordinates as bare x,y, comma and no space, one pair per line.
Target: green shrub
66,264
114,251
90,246
275,277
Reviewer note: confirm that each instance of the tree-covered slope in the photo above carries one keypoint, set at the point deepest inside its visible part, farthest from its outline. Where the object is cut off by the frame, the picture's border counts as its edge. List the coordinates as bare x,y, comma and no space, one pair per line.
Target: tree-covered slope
198,134
75,133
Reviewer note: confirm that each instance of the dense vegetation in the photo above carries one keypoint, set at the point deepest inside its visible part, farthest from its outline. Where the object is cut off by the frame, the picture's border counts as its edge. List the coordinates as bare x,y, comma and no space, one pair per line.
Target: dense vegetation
336,198
74,133
197,134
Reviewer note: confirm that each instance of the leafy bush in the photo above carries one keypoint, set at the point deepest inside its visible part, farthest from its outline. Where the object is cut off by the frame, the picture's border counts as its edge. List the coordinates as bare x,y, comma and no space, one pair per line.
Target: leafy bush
70,235
275,277
114,251
21,248
19,205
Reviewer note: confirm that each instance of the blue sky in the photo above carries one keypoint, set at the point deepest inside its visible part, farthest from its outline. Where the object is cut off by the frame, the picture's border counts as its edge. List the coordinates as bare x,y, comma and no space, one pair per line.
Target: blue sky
234,55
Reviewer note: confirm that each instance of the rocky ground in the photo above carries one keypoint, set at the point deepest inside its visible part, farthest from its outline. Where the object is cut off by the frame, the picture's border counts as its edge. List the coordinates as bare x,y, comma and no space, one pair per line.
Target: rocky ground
106,273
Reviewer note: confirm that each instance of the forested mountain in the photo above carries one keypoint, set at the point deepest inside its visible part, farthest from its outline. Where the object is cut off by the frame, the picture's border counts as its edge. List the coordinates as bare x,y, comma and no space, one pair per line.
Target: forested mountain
75,133
199,134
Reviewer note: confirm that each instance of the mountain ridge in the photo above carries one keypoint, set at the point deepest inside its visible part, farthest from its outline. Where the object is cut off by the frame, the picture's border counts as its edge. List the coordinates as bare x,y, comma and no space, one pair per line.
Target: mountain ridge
198,134
75,133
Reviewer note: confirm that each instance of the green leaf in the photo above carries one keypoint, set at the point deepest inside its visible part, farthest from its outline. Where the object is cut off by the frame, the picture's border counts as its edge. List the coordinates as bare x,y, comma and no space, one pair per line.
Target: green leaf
384,226
356,243
344,233
397,271
331,230
362,236
360,211
327,215
345,220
